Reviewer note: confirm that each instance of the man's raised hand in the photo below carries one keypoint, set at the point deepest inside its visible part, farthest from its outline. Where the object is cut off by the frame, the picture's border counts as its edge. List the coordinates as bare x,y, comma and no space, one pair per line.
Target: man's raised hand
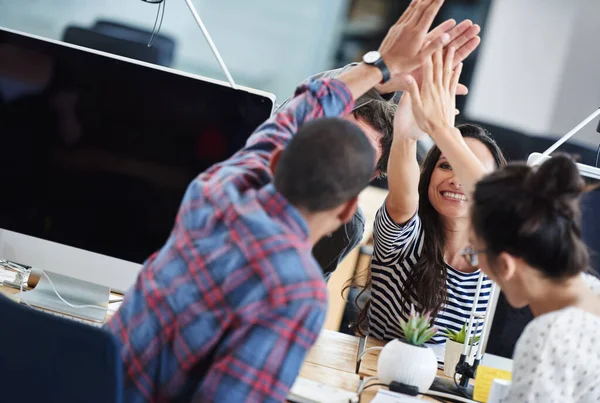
408,44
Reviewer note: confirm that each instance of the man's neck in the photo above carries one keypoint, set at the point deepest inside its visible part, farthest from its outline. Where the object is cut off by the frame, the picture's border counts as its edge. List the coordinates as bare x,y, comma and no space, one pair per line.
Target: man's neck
316,229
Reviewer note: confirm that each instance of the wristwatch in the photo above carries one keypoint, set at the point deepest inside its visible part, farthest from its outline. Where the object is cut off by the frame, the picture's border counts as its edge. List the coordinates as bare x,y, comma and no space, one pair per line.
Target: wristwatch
374,58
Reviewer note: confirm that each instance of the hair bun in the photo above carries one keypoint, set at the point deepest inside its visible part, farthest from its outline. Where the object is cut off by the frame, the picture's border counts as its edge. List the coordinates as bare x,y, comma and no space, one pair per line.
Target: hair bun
557,178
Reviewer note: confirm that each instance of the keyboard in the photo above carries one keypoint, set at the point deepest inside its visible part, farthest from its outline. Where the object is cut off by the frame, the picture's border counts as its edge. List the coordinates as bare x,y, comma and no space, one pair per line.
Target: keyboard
76,319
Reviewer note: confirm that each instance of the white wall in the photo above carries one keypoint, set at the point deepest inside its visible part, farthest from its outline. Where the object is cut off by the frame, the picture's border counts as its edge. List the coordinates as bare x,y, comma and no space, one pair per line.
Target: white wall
579,93
539,67
271,45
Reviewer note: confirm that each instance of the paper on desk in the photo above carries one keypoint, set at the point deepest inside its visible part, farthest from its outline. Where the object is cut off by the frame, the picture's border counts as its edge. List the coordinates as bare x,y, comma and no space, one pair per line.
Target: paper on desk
386,396
439,350
491,367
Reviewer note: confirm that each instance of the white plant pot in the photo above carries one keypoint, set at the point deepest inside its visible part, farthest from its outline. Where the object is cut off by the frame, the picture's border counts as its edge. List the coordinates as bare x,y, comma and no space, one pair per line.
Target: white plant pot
452,356
407,364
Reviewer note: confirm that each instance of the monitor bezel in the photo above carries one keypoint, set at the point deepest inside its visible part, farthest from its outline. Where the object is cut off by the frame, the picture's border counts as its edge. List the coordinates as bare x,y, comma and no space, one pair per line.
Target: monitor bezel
117,274
271,97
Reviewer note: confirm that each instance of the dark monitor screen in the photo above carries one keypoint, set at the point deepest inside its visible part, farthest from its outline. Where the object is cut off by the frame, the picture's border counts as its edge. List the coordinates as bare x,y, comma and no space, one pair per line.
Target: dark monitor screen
97,151
508,323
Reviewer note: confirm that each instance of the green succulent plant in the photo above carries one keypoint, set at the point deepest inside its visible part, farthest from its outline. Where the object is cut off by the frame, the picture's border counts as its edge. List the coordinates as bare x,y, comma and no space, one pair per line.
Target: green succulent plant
417,329
460,336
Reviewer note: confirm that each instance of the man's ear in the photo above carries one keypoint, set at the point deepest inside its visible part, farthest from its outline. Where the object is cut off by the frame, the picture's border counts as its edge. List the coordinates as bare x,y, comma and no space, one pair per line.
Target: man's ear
275,159
348,210
506,266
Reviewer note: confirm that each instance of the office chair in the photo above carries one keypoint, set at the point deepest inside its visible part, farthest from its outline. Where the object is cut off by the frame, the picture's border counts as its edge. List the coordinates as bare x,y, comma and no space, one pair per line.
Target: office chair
123,42
49,359
590,211
164,43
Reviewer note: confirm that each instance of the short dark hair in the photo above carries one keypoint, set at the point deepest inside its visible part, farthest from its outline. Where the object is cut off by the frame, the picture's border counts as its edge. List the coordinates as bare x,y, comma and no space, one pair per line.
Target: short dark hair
327,163
533,214
380,116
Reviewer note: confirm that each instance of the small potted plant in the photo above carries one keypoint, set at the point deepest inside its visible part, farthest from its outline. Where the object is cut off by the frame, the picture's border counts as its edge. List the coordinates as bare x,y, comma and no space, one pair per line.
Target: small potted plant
454,347
408,360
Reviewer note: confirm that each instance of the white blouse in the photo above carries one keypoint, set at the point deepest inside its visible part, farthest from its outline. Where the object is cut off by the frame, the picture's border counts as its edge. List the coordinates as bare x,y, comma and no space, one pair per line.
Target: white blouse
557,358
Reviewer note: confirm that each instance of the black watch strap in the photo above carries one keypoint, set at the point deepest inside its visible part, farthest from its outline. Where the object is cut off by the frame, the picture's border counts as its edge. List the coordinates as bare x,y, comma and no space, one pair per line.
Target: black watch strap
380,64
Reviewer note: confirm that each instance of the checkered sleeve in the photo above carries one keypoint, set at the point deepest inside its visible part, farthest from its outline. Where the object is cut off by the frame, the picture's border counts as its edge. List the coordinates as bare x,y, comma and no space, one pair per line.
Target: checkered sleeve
315,99
264,356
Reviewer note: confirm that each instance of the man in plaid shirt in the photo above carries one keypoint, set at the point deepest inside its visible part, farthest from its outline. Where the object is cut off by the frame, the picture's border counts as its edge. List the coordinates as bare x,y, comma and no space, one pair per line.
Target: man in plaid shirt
228,308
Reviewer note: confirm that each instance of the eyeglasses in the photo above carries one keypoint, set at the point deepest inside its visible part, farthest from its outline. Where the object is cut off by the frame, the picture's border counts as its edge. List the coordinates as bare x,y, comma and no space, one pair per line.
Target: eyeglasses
472,255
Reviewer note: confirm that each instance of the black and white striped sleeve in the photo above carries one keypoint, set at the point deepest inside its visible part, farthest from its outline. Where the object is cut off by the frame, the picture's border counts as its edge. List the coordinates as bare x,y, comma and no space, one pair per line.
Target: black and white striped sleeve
393,238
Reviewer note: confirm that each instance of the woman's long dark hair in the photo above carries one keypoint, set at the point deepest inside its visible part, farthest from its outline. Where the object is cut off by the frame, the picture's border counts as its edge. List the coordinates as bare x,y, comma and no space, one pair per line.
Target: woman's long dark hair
426,283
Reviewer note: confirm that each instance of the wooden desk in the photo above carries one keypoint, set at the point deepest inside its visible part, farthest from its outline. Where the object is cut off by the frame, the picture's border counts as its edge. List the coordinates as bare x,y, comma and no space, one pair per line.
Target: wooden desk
332,361
368,367
335,350
329,376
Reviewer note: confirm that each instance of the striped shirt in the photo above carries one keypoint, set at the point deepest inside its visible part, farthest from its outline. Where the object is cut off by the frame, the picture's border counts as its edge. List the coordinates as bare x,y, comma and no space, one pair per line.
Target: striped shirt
397,249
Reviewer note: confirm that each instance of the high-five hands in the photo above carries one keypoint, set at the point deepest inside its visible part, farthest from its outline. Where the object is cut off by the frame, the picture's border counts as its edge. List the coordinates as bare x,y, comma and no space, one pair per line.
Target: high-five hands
463,38
433,105
407,44
405,125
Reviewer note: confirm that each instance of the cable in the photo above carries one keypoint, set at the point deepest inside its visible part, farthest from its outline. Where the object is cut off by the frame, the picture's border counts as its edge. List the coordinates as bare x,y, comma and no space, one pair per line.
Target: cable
360,357
460,388
372,384
58,295
432,393
155,31
436,398
364,382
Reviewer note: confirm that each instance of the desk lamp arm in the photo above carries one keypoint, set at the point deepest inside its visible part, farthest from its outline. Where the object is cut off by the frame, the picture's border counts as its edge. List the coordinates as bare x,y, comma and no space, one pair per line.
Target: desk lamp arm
567,136
210,42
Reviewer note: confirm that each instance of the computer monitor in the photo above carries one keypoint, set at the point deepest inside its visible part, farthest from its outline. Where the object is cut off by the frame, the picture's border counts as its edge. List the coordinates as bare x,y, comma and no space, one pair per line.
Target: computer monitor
98,150
508,323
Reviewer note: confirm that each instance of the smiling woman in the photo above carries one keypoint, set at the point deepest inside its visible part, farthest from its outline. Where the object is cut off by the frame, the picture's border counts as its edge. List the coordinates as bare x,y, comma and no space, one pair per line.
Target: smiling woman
420,235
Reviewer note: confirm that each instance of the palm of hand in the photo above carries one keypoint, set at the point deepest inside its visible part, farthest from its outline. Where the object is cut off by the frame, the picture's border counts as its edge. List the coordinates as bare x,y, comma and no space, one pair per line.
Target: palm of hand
405,125
436,105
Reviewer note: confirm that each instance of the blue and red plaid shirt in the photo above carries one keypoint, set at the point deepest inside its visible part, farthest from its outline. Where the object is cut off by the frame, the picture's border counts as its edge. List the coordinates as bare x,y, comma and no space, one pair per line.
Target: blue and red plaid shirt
228,308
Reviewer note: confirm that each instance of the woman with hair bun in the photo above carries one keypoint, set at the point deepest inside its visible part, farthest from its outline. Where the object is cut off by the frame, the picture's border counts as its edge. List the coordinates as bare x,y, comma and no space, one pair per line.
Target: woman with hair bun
526,236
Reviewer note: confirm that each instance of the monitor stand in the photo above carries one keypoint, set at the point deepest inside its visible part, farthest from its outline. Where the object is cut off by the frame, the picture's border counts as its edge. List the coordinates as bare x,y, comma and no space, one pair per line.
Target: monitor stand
75,292
448,386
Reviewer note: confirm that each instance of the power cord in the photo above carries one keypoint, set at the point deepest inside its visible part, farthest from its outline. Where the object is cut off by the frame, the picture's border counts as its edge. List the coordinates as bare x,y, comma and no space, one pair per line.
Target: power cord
364,385
447,397
373,384
159,15
24,280
460,388
365,351
409,390
436,398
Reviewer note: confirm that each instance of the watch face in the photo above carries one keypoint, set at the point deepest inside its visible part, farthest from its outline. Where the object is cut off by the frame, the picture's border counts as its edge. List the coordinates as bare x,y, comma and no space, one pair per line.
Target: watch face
371,57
